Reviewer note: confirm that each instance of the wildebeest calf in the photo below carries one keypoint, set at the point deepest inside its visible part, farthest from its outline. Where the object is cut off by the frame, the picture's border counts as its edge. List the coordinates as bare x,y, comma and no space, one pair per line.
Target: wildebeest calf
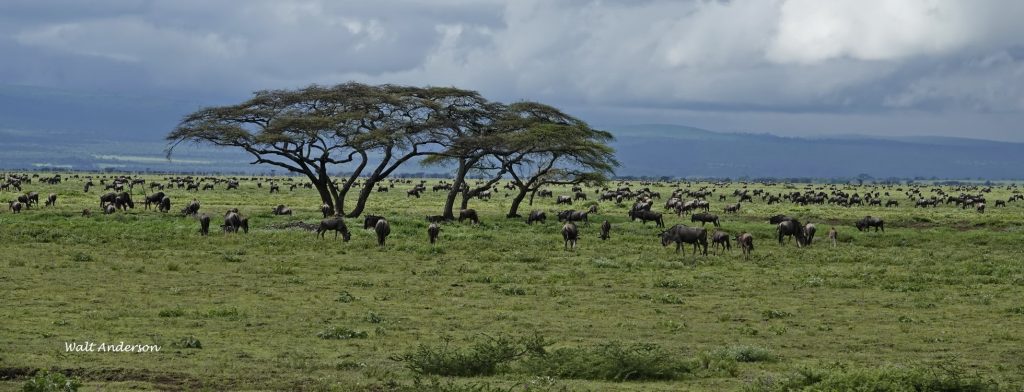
432,232
833,236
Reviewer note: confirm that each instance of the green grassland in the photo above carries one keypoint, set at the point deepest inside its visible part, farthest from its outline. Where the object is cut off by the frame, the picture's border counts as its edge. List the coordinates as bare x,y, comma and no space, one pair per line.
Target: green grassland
279,309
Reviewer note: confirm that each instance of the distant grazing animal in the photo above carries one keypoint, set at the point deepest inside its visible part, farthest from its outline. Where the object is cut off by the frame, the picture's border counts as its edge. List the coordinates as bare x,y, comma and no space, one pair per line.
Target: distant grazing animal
109,209
470,214
563,200
791,228
275,188
326,209
574,216
233,222
868,222
645,216
14,206
536,216
153,199
720,239
383,229
679,234
704,217
892,203
776,219
606,229
51,201
165,204
746,242
833,235
191,208
370,221
733,208
981,207
570,234
336,224
413,192
33,198
435,218
86,212
204,224
592,209
809,230
281,210
432,232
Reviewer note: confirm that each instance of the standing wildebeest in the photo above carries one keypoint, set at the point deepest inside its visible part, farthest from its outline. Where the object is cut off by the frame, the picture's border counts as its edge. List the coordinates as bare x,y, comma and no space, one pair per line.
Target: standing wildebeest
51,201
690,235
733,208
470,214
776,219
645,216
383,229
109,209
981,207
33,198
704,217
15,206
275,188
892,203
326,210
336,224
165,204
720,239
413,192
155,198
192,208
432,232
791,228
809,230
746,242
574,216
281,210
868,222
563,200
370,221
233,221
570,234
204,224
606,229
536,216
833,235
23,199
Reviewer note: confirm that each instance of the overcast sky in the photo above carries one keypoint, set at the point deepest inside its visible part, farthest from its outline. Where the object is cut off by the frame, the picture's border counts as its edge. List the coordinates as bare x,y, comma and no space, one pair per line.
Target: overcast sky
797,67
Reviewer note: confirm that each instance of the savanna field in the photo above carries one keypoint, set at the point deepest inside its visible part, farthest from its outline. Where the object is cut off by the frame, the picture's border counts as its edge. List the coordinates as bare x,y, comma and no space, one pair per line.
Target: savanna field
932,303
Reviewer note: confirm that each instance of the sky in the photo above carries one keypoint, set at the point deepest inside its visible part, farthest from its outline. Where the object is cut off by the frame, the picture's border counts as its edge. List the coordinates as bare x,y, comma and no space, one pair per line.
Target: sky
796,67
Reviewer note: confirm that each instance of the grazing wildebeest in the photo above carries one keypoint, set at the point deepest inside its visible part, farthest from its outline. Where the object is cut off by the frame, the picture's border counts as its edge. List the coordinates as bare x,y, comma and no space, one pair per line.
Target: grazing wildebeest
570,234
233,221
580,196
704,217
154,199
370,221
733,208
470,214
109,209
776,219
107,198
281,210
536,216
746,242
791,228
191,208
690,235
336,224
809,230
868,222
592,209
981,207
413,192
326,209
432,232
606,229
383,229
123,200
23,199
165,204
33,198
720,239
51,201
892,203
435,218
275,188
14,206
574,216
204,224
833,235
645,216
563,200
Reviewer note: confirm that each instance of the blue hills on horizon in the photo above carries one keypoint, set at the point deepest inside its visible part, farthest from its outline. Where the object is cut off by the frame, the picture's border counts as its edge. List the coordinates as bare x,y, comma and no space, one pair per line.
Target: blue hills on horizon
98,131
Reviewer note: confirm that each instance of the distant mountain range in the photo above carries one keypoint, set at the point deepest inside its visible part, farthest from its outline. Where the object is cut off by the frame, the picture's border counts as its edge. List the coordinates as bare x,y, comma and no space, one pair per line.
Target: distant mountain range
42,128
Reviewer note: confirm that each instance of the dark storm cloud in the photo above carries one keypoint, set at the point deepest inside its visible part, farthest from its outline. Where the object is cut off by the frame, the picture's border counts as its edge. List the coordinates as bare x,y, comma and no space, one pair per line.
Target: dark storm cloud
771,62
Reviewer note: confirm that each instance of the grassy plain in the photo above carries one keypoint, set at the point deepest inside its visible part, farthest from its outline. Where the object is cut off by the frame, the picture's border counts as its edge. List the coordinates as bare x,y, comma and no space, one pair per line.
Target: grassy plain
939,288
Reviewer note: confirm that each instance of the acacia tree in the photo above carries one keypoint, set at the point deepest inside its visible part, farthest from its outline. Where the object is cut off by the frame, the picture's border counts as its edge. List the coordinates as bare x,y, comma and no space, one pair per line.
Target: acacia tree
307,131
544,146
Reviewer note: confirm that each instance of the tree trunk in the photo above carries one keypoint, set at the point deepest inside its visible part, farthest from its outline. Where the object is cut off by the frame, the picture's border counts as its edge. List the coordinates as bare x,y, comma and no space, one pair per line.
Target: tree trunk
513,211
460,178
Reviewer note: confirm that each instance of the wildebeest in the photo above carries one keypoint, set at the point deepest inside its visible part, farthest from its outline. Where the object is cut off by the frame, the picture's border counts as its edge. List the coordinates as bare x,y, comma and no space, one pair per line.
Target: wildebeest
51,201
746,243
432,232
563,200
86,212
14,206
720,239
204,224
892,203
326,209
33,199
570,234
704,217
679,234
275,188
435,218
413,192
470,214
335,223
153,199
233,222
981,207
536,216
281,210
191,208
791,228
370,221
123,200
833,235
109,209
606,229
868,222
776,219
574,216
733,208
383,229
645,216
165,204
809,230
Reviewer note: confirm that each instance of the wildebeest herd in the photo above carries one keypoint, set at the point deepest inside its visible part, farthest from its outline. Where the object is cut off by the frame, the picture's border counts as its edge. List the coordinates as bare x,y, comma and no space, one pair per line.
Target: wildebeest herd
692,199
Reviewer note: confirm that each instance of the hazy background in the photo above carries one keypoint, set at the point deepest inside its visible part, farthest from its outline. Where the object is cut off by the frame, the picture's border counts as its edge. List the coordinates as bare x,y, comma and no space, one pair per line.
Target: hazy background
97,84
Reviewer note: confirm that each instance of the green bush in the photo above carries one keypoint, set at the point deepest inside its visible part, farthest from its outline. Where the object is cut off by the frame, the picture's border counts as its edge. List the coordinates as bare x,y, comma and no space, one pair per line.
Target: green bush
484,357
45,381
612,361
889,378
